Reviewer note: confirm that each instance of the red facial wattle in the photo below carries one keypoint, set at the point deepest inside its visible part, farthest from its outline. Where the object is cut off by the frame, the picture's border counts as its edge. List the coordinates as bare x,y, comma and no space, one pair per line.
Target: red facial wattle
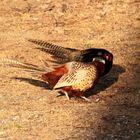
108,57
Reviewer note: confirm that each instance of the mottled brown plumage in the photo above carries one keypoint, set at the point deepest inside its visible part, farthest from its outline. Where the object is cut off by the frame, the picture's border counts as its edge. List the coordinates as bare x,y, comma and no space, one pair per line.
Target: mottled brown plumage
72,78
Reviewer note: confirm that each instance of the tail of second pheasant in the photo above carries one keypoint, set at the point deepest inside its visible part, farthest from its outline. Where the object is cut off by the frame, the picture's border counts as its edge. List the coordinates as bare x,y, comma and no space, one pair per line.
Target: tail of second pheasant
33,69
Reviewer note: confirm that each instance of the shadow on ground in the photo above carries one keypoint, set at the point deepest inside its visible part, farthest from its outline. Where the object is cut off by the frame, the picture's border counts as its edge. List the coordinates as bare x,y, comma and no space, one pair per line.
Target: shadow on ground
108,80
104,83
34,82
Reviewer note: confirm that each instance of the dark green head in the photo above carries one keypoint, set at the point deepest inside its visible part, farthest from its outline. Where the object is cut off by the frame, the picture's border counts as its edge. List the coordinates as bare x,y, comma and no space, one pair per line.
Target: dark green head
89,54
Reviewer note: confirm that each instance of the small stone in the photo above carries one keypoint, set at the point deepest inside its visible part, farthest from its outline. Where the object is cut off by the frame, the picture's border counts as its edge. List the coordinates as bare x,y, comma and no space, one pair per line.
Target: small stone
2,134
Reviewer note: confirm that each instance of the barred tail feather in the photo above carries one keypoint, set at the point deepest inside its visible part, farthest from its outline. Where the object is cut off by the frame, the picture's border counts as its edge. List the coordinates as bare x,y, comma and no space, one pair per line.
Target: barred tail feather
24,66
51,48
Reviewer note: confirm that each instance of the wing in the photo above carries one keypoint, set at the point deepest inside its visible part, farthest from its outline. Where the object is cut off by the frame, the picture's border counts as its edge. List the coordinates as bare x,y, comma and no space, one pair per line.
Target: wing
77,74
71,78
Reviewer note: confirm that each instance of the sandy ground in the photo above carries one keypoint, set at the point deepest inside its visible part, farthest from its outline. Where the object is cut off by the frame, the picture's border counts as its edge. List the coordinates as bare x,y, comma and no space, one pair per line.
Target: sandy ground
29,111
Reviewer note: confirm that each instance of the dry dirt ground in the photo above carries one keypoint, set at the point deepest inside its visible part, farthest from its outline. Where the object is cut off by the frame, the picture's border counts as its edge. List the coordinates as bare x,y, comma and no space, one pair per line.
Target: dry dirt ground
30,111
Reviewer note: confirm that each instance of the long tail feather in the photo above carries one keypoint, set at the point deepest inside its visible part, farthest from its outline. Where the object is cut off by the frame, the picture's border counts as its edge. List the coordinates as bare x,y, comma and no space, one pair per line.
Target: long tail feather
52,49
24,66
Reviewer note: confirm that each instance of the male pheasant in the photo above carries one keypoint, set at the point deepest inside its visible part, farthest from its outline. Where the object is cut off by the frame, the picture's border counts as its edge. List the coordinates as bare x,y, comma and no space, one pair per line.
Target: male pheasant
63,55
72,78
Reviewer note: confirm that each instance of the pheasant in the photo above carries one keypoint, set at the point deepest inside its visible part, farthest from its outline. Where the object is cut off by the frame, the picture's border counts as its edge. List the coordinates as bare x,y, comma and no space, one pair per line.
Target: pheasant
72,78
64,55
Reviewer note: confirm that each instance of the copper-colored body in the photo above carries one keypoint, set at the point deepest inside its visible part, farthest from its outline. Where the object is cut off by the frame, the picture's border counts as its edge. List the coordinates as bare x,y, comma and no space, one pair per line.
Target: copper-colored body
75,78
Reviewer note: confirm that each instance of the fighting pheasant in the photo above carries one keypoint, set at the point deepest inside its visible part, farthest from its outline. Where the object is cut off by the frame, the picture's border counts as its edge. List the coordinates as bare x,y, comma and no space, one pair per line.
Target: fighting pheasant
64,55
72,78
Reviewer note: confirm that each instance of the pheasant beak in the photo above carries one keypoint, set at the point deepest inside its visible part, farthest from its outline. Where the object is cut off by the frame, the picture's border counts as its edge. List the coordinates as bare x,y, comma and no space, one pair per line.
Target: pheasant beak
103,61
99,59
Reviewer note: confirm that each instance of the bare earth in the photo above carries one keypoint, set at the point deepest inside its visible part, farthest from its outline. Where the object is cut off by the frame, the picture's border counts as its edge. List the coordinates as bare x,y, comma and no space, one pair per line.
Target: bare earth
30,111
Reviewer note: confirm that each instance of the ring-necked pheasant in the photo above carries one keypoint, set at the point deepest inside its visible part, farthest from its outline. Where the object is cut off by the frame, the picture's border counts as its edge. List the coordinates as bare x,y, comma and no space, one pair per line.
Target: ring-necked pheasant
72,78
63,55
